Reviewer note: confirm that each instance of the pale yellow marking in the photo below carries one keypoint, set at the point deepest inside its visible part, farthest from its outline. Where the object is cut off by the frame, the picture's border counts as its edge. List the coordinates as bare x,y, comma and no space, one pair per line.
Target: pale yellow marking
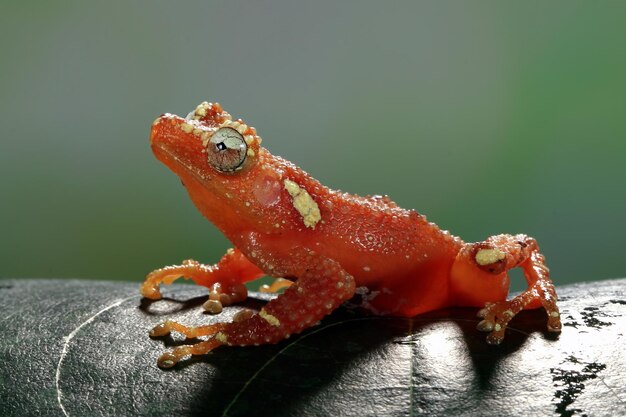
489,256
269,318
250,152
497,327
201,110
186,127
221,337
555,314
304,203
206,137
242,128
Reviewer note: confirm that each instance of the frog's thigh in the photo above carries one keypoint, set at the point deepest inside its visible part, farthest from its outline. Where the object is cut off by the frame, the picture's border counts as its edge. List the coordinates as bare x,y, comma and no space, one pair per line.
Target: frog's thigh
322,286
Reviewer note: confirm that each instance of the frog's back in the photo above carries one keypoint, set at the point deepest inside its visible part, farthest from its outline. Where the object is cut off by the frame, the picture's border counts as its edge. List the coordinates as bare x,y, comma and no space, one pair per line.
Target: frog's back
389,249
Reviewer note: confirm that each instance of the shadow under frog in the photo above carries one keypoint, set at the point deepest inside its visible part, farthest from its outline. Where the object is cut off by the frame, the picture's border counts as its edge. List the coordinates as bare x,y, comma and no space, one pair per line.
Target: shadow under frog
435,358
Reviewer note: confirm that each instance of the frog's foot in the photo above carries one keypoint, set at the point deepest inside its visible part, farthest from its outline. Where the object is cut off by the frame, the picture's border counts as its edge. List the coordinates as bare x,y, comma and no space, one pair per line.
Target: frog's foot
169,359
501,253
276,286
322,286
496,317
233,268
221,296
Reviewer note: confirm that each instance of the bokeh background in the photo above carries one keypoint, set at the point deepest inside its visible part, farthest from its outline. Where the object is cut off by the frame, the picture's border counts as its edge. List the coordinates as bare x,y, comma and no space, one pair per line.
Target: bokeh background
486,116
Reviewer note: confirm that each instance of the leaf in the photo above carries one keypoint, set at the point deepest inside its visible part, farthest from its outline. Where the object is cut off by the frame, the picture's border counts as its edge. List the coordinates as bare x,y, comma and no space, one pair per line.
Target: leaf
93,337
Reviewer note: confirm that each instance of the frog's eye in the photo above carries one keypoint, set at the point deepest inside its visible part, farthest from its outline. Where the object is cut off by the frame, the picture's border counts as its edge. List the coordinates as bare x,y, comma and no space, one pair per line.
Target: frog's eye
226,149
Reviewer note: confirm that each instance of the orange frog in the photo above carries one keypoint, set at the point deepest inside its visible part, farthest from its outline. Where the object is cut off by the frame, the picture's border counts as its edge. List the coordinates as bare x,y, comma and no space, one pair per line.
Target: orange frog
324,245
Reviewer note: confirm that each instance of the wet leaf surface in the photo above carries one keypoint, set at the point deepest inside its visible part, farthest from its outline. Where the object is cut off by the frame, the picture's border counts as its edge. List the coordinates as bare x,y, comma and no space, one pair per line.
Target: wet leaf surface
80,348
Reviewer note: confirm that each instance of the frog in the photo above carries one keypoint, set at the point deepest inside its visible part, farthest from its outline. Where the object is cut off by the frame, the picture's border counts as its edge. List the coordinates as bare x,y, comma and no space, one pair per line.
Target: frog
324,247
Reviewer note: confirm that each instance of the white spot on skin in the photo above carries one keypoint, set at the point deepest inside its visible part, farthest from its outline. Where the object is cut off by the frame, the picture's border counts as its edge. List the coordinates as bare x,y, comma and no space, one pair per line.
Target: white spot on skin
221,337
205,137
269,318
367,269
201,110
304,203
489,256
497,327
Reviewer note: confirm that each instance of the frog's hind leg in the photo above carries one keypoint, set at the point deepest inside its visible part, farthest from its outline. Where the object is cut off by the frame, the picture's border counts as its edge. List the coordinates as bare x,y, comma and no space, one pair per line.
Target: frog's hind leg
168,359
322,286
500,253
223,278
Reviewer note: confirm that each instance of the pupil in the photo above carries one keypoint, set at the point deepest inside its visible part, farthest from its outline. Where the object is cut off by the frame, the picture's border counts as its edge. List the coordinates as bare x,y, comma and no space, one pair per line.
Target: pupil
220,146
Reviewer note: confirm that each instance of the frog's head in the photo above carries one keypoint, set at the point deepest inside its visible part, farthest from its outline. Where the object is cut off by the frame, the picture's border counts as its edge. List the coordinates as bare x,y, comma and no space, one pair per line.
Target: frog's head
220,161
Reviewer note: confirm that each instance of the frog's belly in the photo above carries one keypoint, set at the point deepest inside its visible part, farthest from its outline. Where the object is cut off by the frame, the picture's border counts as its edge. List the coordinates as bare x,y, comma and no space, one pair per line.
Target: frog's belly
405,283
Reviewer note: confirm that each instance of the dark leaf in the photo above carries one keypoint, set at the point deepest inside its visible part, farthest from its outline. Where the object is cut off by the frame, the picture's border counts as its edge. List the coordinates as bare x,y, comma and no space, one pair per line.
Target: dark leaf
81,348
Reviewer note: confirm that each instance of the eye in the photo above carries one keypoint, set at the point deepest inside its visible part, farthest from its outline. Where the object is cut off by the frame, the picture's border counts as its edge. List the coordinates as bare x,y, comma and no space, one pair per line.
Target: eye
226,149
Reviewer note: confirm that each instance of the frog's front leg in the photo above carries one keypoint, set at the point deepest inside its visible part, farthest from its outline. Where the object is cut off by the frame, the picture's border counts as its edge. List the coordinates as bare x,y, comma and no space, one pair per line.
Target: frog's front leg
322,285
483,268
224,279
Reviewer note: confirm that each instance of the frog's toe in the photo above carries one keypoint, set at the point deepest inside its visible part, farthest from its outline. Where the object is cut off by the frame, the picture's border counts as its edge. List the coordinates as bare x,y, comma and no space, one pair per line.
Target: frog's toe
496,331
554,321
496,317
485,326
276,286
161,330
482,313
221,296
169,326
497,335
169,359
150,291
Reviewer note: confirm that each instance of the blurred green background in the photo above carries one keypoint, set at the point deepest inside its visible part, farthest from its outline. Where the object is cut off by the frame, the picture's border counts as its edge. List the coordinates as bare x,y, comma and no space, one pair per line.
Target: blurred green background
487,116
